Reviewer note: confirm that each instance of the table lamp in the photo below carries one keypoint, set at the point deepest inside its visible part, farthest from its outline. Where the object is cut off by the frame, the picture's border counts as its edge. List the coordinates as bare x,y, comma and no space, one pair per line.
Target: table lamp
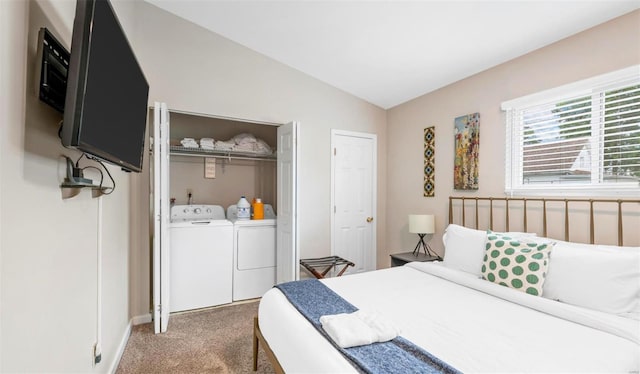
422,224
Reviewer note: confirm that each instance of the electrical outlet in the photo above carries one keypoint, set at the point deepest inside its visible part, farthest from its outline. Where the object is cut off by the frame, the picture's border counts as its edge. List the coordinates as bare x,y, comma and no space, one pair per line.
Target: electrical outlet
97,354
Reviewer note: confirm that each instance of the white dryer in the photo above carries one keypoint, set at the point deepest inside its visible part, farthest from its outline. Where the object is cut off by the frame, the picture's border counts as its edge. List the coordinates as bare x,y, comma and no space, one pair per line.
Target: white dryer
254,254
201,257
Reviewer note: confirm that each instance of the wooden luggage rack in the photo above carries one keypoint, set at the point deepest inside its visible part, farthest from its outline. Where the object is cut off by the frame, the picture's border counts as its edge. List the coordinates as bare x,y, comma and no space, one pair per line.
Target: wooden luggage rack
320,267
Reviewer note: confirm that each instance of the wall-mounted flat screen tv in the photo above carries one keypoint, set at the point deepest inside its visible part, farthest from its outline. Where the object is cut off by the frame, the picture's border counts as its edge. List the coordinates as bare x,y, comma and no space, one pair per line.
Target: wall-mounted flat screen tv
105,110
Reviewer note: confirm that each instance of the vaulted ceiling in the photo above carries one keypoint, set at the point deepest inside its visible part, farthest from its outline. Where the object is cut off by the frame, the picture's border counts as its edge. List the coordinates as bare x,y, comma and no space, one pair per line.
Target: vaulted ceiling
389,52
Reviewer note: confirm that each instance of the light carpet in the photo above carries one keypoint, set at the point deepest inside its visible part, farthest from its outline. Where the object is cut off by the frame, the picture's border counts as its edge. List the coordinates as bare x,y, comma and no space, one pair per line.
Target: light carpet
217,340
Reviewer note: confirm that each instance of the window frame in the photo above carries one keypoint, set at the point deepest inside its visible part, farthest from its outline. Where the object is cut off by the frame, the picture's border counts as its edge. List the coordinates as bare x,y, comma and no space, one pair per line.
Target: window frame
513,149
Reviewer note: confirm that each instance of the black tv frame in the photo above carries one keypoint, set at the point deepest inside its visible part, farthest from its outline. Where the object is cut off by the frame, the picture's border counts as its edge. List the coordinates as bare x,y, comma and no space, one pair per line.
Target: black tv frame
77,81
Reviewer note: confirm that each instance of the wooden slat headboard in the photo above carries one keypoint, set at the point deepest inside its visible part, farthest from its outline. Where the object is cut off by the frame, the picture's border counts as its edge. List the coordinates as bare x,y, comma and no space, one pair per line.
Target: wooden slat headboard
541,204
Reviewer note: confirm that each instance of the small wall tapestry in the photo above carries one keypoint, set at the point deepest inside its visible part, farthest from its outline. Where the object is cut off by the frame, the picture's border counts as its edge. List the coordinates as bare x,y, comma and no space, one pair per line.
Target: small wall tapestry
429,161
467,145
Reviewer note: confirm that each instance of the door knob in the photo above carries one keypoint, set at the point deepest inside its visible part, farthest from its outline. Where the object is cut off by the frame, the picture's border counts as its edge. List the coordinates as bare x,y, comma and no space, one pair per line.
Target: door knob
369,219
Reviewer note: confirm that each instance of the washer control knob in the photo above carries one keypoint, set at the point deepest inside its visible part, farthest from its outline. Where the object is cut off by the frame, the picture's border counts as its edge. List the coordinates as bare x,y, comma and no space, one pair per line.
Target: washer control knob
197,210
186,210
208,210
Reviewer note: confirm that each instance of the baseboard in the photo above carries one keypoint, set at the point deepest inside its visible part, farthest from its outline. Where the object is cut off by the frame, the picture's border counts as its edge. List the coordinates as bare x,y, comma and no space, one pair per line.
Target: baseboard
138,320
123,344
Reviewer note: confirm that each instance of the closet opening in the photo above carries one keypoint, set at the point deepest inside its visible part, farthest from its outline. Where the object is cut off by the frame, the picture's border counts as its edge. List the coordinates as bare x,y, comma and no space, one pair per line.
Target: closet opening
205,251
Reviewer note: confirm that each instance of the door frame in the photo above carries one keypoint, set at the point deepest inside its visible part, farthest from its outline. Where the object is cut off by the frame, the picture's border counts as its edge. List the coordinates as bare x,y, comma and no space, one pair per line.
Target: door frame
155,267
374,189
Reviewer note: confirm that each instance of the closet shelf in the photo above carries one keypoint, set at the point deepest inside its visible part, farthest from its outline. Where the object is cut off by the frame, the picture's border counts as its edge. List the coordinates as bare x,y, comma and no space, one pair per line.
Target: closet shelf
176,150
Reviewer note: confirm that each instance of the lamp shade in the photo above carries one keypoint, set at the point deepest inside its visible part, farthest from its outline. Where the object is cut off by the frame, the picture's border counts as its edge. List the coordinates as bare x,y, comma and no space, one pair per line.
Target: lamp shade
421,223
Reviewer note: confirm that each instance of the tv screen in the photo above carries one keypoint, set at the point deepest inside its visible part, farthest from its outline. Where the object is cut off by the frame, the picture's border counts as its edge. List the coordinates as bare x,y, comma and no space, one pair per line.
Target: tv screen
105,111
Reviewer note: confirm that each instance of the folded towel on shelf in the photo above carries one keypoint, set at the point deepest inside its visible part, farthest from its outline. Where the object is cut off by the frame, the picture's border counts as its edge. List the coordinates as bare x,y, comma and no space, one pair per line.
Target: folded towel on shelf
244,147
189,143
207,143
222,145
243,138
262,147
358,328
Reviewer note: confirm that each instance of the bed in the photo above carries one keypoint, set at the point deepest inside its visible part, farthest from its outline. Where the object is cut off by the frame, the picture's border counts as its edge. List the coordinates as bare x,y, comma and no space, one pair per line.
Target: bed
581,315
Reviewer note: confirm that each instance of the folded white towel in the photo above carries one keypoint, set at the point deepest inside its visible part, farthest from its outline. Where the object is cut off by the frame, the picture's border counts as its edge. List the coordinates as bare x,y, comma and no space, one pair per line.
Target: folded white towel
243,138
207,143
262,147
244,147
189,143
224,146
358,328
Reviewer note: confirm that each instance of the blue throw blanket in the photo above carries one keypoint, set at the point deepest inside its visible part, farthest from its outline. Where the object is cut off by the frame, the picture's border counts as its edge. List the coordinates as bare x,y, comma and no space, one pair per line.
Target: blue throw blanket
313,299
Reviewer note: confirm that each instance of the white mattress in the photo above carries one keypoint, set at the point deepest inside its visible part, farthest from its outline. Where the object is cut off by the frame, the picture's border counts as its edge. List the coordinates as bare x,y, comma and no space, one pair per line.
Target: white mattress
474,330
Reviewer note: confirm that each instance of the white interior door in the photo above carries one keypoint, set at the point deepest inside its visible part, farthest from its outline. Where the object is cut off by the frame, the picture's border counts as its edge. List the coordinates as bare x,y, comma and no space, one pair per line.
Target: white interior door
161,217
353,181
287,256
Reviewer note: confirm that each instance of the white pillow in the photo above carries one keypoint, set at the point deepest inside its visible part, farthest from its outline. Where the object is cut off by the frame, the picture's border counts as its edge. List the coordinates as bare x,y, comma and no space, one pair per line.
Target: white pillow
464,248
600,277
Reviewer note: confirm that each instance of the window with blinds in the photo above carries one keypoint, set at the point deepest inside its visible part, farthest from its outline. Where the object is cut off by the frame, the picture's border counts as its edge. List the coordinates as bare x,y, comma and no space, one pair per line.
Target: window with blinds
581,138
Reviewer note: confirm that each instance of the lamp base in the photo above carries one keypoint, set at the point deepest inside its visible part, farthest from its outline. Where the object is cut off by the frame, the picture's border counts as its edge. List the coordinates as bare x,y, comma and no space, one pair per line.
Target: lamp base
425,247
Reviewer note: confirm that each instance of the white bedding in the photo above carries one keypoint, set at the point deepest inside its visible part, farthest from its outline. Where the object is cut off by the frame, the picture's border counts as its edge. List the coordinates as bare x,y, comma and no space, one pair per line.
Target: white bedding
470,329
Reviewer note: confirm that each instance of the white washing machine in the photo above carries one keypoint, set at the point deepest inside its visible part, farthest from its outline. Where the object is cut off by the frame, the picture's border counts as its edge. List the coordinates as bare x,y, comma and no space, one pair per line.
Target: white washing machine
201,257
254,254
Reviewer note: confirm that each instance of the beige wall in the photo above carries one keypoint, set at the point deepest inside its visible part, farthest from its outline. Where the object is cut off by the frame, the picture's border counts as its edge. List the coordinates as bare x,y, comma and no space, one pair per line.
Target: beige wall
234,177
48,274
48,244
607,47
196,71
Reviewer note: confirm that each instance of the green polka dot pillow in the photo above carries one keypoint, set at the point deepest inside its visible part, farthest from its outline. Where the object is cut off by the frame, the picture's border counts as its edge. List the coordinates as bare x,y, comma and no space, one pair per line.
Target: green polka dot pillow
517,263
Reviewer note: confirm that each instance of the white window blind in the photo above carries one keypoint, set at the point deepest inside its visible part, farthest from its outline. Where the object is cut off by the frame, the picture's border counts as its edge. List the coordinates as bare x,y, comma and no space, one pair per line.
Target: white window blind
581,138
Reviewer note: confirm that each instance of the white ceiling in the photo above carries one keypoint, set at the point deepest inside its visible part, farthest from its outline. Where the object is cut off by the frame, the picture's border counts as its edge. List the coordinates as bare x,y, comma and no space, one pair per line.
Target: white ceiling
389,52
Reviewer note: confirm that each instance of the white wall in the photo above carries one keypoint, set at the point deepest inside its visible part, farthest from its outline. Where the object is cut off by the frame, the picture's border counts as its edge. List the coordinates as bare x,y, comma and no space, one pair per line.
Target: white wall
197,71
48,246
607,47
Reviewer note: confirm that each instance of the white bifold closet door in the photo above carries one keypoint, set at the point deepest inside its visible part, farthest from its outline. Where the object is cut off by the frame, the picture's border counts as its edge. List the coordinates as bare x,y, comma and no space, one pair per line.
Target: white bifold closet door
161,217
287,257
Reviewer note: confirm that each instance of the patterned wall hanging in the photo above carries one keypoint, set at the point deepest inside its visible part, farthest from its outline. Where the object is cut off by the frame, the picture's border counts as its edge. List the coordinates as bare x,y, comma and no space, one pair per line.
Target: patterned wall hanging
429,161
467,145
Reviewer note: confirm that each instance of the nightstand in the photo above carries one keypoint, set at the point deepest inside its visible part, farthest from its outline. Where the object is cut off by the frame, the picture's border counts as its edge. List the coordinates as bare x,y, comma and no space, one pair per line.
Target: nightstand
399,259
